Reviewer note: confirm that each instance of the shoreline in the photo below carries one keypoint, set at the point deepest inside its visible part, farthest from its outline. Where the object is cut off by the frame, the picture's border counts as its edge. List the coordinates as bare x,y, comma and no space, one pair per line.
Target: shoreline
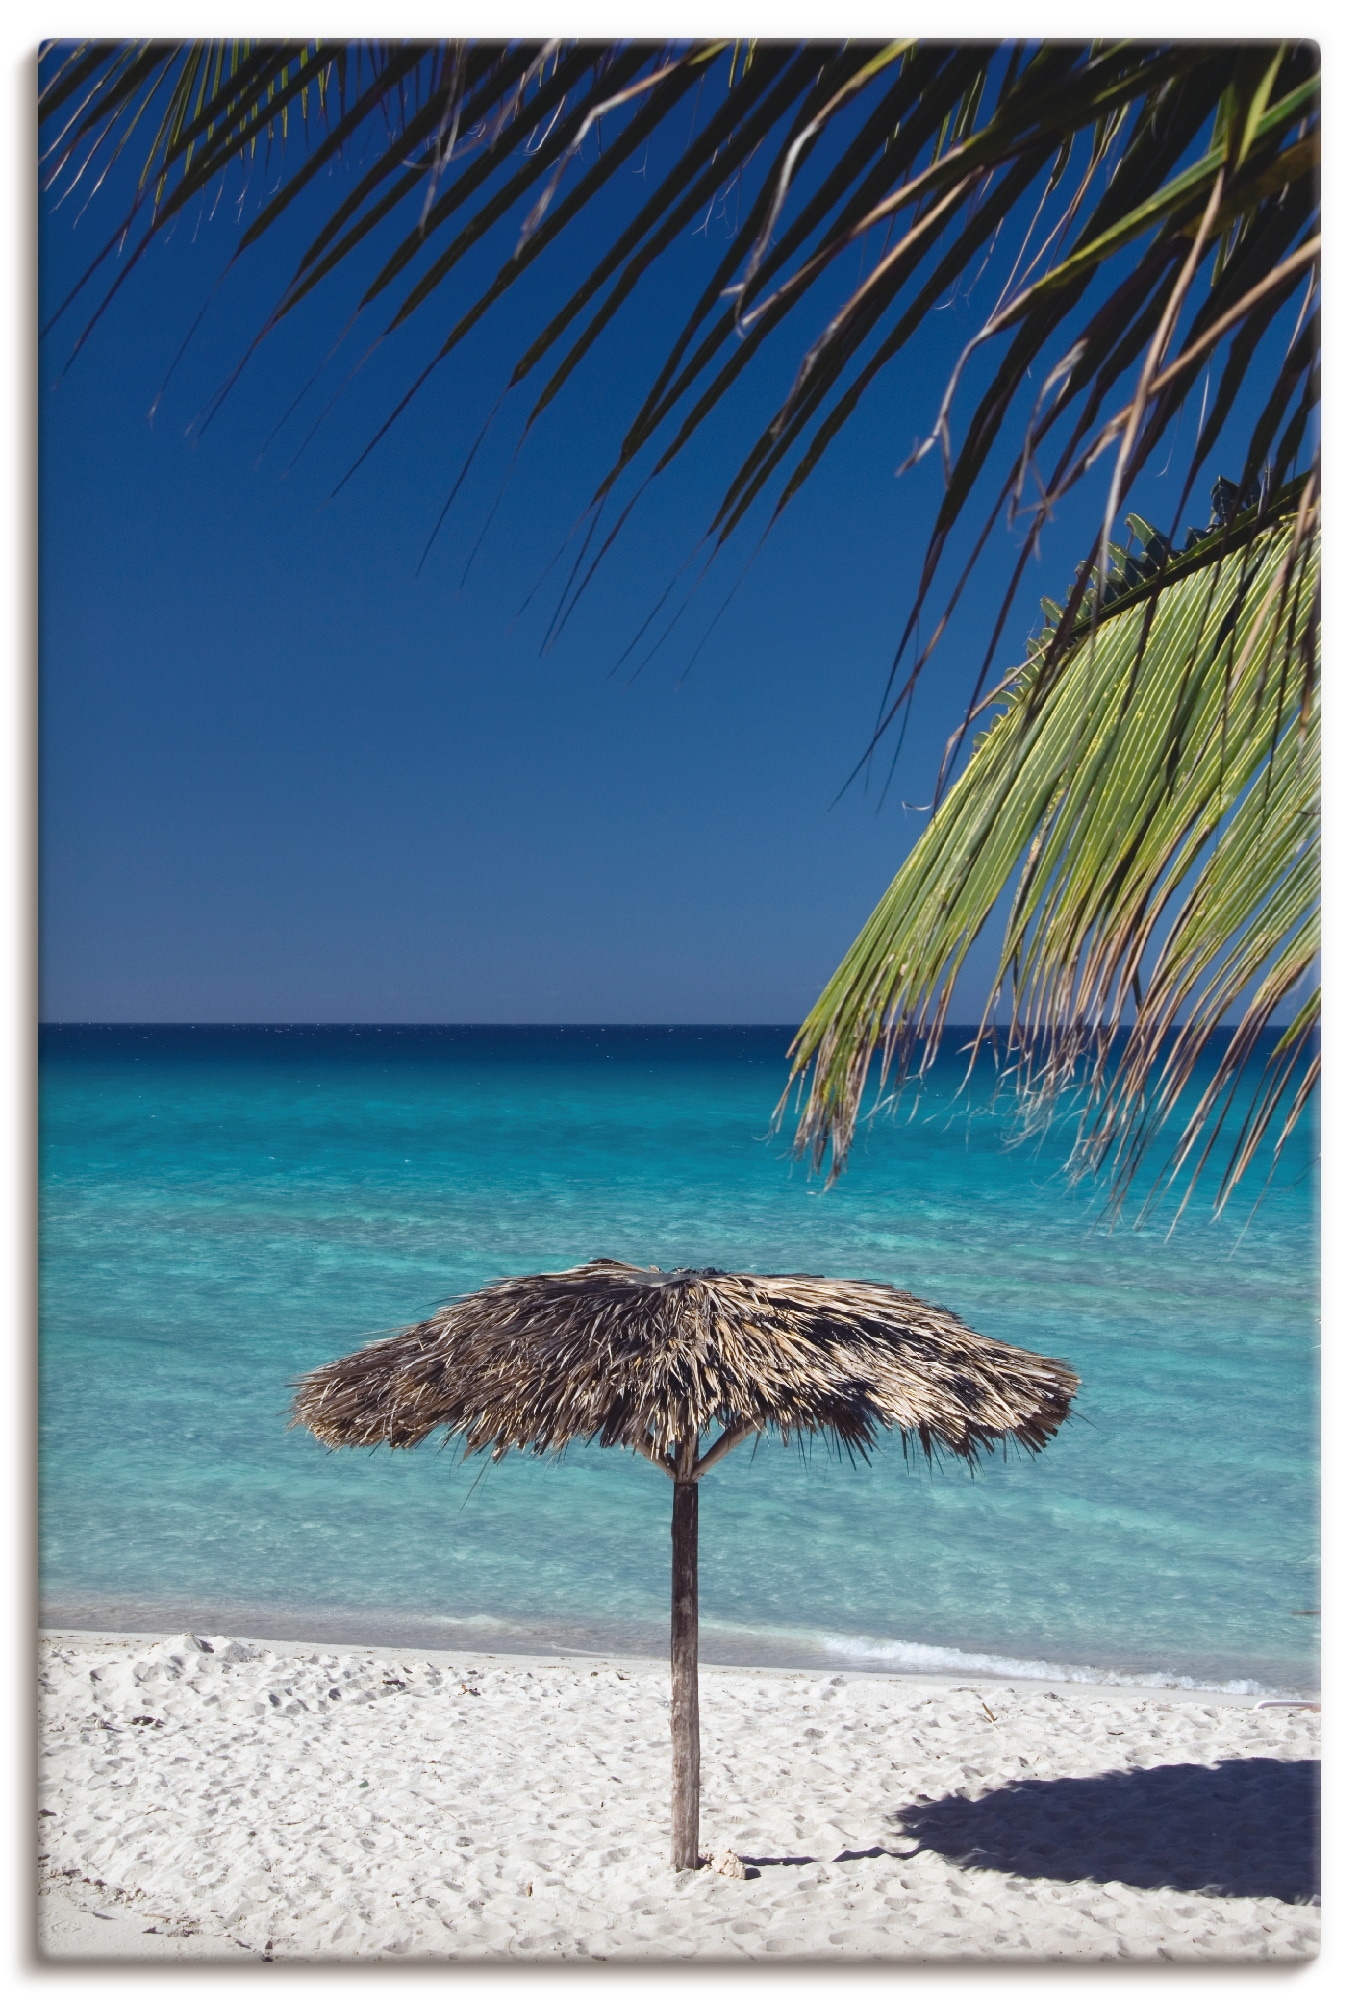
463,1659
720,1645
206,1796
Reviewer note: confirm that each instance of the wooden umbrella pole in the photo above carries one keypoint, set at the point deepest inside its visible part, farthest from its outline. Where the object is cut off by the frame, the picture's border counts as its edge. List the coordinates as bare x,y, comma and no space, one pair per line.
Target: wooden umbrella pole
684,1659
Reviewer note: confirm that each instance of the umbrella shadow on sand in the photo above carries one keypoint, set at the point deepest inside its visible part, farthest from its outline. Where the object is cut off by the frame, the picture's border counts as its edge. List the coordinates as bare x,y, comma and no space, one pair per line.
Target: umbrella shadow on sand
1245,1827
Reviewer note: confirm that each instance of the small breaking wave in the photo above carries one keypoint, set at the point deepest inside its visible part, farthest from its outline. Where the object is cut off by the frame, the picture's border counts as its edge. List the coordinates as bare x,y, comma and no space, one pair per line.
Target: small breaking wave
903,1656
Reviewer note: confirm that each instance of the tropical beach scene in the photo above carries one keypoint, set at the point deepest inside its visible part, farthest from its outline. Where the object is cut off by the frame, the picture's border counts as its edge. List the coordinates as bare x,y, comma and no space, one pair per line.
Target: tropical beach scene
678,1252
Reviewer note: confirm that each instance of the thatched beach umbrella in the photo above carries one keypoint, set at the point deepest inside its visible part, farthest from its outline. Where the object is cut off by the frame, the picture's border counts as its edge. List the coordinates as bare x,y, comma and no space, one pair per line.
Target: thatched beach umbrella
653,1360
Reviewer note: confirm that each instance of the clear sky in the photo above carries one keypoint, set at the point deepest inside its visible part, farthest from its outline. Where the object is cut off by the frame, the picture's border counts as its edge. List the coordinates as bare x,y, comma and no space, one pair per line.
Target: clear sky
285,778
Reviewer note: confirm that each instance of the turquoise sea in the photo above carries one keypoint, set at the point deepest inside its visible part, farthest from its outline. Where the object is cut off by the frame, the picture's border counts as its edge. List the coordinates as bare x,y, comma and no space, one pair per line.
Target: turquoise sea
222,1208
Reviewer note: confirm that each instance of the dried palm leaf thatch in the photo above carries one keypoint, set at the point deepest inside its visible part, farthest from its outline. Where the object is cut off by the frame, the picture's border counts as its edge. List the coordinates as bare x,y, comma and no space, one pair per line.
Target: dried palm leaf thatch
651,1359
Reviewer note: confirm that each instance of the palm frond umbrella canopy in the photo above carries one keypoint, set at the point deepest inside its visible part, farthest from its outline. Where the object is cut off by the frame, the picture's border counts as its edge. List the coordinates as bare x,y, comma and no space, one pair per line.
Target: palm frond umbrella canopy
654,1360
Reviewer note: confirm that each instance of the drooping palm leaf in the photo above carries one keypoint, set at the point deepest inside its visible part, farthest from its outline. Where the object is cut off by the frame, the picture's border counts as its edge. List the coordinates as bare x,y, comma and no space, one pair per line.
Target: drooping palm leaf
1149,808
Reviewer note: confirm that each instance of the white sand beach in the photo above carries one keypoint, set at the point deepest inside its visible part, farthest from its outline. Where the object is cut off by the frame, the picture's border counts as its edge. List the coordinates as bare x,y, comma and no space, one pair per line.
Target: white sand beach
221,1798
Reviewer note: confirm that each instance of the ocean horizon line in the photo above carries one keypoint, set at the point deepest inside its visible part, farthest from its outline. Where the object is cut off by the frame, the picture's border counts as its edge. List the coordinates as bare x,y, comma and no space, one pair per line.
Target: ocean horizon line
669,1026
953,1028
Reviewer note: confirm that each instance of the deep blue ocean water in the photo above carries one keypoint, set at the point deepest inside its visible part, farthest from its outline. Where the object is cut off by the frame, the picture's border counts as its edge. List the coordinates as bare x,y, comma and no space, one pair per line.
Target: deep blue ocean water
222,1208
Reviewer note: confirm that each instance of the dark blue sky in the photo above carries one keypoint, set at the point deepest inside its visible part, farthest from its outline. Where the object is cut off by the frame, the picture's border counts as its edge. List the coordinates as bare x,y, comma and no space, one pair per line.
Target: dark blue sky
284,778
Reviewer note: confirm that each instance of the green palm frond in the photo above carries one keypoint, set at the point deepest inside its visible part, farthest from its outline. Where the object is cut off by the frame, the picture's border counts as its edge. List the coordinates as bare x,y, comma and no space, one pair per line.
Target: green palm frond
1149,808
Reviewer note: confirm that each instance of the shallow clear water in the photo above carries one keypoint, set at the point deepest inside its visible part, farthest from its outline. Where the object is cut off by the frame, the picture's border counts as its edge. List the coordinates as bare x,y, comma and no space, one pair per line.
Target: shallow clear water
222,1208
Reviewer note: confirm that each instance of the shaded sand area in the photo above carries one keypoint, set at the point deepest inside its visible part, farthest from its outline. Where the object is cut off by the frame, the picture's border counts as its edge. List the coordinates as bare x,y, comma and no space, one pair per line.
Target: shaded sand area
222,1798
